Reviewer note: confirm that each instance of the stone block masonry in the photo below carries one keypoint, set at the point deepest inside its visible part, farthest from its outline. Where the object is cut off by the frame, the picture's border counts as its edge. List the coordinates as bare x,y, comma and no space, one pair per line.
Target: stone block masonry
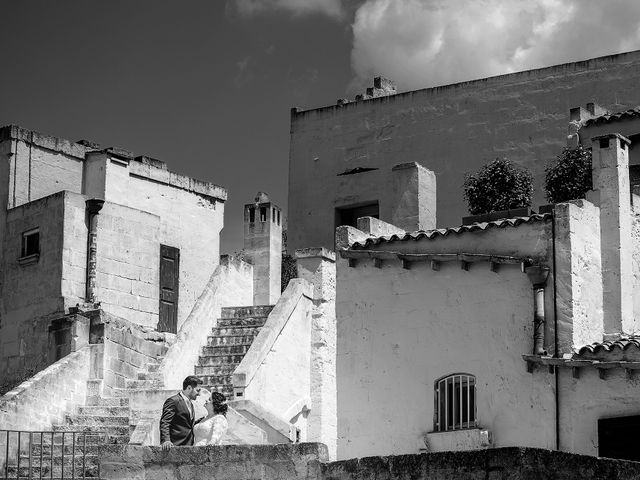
449,129
306,461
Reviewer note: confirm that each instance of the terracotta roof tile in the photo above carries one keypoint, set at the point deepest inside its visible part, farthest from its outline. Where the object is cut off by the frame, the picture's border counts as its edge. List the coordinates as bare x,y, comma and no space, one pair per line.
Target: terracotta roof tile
613,117
611,345
443,232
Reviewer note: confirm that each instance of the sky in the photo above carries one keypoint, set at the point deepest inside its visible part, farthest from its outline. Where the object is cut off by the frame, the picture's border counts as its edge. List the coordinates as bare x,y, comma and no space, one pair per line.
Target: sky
207,86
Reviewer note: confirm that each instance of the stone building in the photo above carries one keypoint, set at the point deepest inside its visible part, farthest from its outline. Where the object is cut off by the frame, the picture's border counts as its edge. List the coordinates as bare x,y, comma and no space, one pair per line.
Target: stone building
342,157
519,331
83,224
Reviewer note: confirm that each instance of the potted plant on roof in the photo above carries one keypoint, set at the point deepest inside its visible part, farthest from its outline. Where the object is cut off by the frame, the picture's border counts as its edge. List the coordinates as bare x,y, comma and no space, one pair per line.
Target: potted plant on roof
569,177
498,190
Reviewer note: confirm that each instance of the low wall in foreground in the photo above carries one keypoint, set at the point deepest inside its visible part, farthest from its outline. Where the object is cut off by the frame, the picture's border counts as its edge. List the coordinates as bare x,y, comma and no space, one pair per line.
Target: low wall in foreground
307,461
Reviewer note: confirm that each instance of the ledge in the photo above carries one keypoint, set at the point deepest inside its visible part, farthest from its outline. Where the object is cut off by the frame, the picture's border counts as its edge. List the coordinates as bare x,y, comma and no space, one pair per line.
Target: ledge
29,259
576,364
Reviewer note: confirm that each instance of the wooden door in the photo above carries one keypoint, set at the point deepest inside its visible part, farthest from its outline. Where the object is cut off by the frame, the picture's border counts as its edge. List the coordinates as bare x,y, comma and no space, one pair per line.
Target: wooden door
169,282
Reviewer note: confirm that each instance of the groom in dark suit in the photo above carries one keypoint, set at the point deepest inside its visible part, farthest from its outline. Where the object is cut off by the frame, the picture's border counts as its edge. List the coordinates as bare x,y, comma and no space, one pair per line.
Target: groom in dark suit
178,415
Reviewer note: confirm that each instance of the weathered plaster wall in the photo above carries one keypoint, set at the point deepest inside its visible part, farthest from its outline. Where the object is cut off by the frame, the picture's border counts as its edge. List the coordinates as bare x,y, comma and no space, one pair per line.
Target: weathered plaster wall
127,266
579,275
635,240
276,369
586,399
450,130
401,330
308,462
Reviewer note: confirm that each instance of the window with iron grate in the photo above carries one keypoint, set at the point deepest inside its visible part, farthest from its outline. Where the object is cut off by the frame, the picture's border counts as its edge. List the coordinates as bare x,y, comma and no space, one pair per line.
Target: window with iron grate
455,402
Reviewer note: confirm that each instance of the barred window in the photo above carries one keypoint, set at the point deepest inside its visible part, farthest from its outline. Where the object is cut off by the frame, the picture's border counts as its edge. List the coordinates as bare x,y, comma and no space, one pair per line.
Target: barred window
455,402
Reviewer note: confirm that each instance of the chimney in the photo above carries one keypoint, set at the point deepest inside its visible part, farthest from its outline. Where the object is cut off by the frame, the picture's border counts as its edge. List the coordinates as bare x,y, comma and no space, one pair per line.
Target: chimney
263,246
412,198
612,193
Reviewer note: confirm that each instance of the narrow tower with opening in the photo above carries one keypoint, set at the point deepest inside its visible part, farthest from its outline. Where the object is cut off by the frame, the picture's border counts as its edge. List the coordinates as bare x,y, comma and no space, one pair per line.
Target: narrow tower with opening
263,246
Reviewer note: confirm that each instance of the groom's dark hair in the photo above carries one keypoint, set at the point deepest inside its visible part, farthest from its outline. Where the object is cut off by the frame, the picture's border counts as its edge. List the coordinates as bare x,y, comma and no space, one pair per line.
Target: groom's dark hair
192,381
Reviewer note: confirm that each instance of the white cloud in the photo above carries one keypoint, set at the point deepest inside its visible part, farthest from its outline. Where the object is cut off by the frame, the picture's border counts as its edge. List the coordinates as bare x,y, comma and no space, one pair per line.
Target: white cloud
332,8
420,43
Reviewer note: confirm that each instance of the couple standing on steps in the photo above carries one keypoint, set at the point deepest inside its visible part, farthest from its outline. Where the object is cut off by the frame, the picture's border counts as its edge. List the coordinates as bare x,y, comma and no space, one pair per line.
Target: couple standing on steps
178,424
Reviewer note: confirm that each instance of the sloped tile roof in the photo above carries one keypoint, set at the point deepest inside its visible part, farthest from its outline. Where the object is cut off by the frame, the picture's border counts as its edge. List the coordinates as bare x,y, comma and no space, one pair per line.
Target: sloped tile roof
613,117
443,232
622,344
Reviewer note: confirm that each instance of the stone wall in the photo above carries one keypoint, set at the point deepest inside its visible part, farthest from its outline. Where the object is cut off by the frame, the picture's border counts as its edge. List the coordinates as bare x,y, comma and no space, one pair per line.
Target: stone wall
127,264
400,330
307,462
31,291
275,372
42,401
128,350
449,129
231,284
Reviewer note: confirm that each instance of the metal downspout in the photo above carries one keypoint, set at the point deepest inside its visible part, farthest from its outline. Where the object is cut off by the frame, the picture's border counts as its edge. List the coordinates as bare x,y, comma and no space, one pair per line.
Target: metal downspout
556,371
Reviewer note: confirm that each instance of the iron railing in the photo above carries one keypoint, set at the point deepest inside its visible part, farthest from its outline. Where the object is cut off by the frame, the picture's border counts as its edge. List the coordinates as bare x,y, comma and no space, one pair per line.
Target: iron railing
455,402
48,455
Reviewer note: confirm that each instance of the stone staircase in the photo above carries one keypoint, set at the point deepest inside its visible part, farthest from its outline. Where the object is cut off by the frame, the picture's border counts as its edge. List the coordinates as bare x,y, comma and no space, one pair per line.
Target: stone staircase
71,451
228,343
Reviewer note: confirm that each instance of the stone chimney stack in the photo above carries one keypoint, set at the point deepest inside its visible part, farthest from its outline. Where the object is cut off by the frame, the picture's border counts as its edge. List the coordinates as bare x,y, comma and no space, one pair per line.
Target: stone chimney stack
412,198
263,246
611,192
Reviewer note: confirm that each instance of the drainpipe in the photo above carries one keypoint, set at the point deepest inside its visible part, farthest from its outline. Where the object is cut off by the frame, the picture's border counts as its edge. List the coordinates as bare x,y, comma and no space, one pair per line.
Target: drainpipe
537,275
94,206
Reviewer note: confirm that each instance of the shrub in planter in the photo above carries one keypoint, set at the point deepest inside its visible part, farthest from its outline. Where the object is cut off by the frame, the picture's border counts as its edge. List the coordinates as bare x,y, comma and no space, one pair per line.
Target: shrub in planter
499,185
569,177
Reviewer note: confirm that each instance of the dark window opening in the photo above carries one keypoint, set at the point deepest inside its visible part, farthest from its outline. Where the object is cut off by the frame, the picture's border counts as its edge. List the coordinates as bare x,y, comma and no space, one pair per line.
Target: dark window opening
278,217
263,214
349,215
273,215
30,243
252,215
617,437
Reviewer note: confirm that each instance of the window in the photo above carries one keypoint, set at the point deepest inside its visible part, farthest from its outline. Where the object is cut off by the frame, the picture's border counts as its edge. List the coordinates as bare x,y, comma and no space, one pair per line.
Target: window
455,402
263,214
30,243
349,215
252,214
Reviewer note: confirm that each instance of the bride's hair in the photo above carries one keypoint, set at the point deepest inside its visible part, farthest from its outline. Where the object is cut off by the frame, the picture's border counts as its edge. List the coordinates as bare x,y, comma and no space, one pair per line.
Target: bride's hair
220,408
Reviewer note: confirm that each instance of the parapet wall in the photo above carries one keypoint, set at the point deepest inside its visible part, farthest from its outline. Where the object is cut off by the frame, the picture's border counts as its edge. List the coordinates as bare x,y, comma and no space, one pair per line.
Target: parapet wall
305,461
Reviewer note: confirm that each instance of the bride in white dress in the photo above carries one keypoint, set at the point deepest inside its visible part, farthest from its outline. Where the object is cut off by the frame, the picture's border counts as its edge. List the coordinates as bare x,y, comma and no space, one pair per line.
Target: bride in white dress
212,429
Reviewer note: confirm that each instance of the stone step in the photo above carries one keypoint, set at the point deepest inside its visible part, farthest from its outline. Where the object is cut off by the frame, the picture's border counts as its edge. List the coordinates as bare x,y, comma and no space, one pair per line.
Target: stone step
213,360
90,448
103,410
225,350
91,438
91,420
118,430
144,384
234,331
107,402
227,369
153,367
247,311
230,340
215,380
155,376
89,459
241,322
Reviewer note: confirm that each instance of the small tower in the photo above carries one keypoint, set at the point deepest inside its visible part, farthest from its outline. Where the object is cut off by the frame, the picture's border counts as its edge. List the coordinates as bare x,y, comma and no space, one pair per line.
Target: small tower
263,246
